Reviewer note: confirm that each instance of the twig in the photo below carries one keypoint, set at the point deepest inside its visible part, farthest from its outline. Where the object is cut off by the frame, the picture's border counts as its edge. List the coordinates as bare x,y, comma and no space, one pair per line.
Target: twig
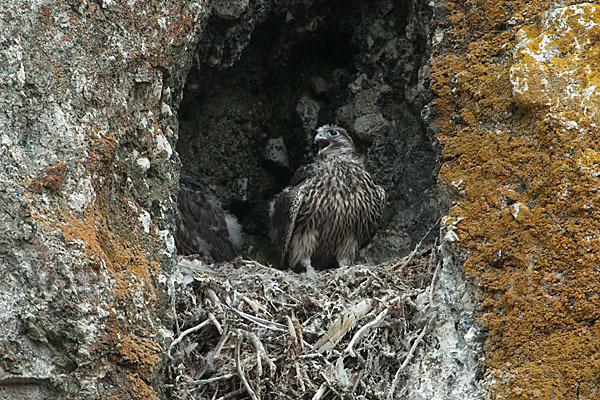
211,380
431,285
212,296
358,381
240,371
259,321
320,392
291,330
312,355
299,376
363,331
295,330
224,338
232,394
177,327
406,298
187,332
396,380
216,323
255,306
260,352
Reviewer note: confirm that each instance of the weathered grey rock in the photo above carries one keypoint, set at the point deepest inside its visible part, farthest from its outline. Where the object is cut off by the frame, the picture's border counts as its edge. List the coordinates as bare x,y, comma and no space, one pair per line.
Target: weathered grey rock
345,115
369,126
366,100
318,86
276,152
85,232
450,365
308,111
230,9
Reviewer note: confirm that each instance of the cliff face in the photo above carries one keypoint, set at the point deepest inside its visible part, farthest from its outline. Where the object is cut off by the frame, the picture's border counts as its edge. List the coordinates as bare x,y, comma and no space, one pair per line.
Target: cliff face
517,114
86,195
92,101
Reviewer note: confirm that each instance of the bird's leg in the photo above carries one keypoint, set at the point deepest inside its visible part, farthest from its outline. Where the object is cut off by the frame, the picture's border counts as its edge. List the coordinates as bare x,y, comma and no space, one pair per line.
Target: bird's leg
346,254
301,249
310,271
345,262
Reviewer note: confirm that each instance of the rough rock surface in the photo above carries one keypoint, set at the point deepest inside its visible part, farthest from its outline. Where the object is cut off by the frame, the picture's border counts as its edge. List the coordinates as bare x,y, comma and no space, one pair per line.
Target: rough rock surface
516,109
87,171
449,365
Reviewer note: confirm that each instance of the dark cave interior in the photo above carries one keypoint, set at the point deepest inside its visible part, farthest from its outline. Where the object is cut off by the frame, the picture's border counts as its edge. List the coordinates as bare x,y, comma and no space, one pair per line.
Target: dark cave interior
302,71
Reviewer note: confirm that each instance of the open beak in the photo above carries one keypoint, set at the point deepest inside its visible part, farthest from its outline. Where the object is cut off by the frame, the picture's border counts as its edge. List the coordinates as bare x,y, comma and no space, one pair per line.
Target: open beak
322,141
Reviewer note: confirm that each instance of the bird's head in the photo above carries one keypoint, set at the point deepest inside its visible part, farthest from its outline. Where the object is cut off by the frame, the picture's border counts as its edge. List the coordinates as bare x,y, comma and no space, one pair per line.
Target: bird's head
333,140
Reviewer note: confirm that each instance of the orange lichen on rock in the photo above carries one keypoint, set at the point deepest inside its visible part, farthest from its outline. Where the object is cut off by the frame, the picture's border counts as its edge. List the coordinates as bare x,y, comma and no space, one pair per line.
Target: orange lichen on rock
110,232
52,179
92,230
556,62
517,111
108,235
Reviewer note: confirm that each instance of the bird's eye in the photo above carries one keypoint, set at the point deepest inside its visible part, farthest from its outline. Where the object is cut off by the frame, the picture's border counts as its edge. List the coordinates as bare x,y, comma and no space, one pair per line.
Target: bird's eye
333,132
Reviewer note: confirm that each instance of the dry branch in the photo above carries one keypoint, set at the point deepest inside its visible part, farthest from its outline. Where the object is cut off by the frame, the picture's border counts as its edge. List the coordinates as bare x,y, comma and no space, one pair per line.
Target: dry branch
187,332
240,369
363,331
416,343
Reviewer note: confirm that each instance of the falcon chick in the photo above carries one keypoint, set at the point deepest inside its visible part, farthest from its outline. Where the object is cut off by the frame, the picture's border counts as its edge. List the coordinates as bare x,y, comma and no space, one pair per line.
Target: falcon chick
331,209
202,226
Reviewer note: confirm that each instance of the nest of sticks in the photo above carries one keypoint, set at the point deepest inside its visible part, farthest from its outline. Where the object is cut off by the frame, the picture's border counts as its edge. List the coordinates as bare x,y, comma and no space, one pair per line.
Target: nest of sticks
246,330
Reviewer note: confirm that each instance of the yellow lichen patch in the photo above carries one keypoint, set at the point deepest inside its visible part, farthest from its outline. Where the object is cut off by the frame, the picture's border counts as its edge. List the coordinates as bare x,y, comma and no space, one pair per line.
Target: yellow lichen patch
556,62
137,355
543,377
129,385
524,159
589,162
